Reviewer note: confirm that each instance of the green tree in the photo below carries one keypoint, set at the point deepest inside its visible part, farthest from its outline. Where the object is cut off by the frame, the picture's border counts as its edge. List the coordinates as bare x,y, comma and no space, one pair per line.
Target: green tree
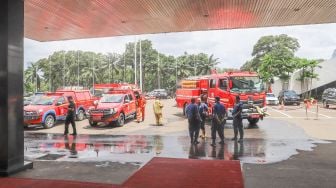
307,74
32,79
72,68
281,46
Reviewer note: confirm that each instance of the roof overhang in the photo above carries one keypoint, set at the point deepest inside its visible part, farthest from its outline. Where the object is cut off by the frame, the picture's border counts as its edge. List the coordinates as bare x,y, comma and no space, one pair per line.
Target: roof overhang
49,20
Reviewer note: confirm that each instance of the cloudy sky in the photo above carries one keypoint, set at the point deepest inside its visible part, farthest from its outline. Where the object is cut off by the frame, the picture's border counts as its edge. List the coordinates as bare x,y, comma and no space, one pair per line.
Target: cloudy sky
232,47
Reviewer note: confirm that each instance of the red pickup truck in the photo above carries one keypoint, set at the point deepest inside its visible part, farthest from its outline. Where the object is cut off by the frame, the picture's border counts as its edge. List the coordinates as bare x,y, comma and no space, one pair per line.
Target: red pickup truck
114,107
52,107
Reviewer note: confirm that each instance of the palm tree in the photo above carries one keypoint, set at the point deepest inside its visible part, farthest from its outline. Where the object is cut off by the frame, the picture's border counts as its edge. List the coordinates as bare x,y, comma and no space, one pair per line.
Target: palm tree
31,76
205,67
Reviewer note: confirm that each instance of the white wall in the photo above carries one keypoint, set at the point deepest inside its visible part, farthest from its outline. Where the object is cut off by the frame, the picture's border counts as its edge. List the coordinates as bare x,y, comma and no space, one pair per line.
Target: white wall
327,74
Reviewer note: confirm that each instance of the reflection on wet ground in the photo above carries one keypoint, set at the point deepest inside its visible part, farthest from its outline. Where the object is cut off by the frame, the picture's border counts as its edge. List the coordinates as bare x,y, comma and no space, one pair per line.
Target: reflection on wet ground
279,144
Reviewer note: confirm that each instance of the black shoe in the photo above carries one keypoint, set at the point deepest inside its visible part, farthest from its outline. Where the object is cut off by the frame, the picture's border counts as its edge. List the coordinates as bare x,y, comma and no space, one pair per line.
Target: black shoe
73,134
221,142
240,140
196,142
234,138
213,144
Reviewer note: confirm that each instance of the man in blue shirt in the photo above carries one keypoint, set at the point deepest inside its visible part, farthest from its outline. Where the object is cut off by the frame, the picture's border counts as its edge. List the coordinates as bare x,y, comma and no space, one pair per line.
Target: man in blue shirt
218,121
193,121
238,120
203,111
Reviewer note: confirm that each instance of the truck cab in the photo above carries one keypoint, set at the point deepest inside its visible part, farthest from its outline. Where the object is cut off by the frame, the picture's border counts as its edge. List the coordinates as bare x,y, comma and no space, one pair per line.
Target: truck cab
46,110
83,101
113,107
227,86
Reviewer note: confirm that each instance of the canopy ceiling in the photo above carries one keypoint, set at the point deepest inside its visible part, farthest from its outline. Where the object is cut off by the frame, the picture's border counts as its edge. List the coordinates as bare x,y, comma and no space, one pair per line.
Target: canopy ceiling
48,20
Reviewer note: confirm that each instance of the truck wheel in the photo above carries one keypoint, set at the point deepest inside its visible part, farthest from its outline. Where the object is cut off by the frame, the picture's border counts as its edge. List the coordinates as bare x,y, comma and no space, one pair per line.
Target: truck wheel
49,121
121,120
92,124
253,121
80,115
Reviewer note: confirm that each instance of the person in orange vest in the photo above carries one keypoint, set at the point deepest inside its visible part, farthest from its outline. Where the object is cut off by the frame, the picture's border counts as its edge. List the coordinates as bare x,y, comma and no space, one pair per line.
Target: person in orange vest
143,102
140,102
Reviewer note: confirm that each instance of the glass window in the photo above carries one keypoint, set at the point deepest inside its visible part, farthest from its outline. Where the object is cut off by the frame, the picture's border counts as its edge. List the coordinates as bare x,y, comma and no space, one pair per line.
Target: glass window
247,84
130,97
126,98
212,83
61,100
111,98
223,84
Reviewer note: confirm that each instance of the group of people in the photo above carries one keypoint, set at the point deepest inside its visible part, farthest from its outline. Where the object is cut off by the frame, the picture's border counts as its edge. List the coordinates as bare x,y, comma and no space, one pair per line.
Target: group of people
197,112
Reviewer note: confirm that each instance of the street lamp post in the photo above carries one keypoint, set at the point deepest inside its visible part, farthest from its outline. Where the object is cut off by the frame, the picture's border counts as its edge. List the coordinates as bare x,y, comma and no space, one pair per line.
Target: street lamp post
63,69
78,68
36,78
93,79
140,76
176,71
49,74
135,62
158,71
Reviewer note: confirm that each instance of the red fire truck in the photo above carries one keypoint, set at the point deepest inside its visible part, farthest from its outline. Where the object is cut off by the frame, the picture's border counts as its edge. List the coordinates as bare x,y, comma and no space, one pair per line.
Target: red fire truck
115,105
227,86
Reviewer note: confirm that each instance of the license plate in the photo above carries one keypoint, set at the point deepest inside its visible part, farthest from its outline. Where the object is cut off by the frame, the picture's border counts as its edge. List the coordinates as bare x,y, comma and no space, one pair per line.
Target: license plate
254,116
96,118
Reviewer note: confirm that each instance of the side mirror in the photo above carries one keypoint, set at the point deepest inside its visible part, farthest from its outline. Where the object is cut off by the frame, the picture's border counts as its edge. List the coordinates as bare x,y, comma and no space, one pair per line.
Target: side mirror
59,103
127,100
230,84
95,102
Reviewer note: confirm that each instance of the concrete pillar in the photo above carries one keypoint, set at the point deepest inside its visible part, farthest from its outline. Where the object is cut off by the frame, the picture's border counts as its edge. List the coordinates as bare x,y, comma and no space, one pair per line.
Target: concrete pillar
11,87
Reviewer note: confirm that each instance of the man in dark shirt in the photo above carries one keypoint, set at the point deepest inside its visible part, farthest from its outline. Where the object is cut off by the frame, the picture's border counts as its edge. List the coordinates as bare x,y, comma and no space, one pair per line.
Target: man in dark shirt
193,121
203,111
70,118
218,121
238,120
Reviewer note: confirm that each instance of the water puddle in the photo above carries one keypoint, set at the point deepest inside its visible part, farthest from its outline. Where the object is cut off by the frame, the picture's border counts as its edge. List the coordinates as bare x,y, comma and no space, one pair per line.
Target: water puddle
280,143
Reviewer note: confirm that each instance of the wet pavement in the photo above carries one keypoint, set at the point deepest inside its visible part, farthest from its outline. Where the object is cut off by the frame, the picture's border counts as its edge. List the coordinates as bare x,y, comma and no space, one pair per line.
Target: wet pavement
279,142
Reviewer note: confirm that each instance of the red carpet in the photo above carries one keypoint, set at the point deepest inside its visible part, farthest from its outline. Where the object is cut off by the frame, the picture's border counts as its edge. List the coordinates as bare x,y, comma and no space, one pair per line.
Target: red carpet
184,173
39,183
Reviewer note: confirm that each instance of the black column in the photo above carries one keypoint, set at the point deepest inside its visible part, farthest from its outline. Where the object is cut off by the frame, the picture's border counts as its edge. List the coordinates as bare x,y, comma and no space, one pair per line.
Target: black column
11,86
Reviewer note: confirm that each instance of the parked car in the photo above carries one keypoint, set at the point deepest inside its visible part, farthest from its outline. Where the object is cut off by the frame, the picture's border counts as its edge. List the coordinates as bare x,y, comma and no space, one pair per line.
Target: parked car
161,93
271,99
329,97
114,107
52,107
289,97
46,110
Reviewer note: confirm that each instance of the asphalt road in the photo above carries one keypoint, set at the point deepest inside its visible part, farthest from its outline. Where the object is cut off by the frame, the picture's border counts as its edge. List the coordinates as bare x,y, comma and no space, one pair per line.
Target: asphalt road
287,149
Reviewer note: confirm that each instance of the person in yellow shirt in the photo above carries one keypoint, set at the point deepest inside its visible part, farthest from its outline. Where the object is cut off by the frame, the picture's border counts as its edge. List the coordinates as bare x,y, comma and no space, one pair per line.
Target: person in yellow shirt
157,106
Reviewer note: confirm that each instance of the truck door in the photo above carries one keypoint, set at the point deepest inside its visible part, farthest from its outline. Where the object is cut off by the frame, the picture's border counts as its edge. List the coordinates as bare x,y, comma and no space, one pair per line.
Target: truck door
132,104
223,90
212,89
61,108
126,105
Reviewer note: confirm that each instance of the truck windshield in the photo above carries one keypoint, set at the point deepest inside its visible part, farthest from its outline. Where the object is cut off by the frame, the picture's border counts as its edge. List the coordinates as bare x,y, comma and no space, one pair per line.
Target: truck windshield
44,100
247,84
99,92
111,99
